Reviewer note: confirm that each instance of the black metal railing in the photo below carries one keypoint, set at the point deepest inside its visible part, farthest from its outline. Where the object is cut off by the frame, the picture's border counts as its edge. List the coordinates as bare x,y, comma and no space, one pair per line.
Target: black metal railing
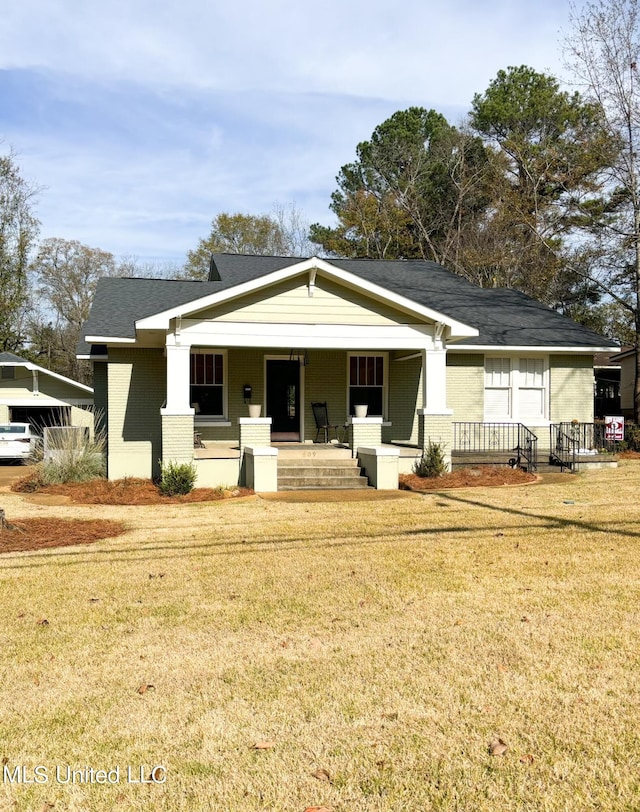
587,436
563,447
593,436
499,438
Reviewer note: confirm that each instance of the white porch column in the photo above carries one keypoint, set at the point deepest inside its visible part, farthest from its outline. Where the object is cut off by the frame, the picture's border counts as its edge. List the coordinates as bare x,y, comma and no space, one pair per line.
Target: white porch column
434,381
435,419
177,415
178,379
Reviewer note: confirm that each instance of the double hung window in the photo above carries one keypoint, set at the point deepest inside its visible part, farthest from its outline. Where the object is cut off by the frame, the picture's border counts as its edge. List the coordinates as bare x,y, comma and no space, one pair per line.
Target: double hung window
515,389
367,382
207,383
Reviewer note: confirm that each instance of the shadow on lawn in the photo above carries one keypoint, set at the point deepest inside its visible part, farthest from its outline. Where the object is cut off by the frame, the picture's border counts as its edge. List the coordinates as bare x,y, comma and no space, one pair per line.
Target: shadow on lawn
248,545
552,521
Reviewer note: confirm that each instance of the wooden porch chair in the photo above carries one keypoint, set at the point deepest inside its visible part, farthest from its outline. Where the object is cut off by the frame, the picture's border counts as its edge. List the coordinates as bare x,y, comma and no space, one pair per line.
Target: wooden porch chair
321,416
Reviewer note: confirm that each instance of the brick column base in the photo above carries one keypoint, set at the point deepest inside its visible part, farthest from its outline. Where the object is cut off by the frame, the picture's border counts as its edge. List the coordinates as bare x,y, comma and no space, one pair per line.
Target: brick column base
177,438
364,431
437,428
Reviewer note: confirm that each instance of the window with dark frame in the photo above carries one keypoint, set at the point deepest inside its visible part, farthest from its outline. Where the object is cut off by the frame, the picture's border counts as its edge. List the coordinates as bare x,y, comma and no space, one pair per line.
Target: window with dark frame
207,383
366,383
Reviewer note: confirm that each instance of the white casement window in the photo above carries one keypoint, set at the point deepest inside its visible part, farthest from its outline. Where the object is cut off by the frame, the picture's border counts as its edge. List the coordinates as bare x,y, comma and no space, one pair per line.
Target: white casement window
367,383
516,389
207,383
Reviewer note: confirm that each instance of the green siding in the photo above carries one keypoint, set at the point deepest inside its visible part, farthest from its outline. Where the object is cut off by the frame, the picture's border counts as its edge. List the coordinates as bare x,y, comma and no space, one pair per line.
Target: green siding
405,397
325,378
331,303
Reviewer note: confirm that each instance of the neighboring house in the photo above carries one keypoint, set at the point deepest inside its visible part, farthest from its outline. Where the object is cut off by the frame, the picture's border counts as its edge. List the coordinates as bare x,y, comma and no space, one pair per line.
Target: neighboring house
32,394
627,364
607,374
424,349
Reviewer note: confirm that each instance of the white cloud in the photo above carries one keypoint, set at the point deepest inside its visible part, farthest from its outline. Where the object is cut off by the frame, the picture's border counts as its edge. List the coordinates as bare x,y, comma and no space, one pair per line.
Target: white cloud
345,46
147,118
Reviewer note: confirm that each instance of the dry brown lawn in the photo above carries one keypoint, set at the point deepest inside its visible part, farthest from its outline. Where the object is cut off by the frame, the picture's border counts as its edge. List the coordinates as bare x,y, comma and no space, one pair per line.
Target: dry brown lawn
274,655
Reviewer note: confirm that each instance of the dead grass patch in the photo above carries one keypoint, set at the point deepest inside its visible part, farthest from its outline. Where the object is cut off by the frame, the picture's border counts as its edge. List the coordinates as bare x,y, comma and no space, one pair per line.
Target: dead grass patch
39,534
477,477
390,647
130,491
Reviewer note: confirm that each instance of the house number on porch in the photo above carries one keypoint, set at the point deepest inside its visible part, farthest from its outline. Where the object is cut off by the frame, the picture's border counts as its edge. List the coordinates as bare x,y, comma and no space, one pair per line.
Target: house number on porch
309,454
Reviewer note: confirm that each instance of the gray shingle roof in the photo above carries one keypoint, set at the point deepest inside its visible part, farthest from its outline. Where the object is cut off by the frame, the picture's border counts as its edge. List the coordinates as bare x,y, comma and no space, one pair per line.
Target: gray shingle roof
503,317
10,358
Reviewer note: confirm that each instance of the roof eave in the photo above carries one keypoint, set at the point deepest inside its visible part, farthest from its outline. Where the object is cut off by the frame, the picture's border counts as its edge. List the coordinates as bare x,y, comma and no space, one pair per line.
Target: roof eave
589,349
161,320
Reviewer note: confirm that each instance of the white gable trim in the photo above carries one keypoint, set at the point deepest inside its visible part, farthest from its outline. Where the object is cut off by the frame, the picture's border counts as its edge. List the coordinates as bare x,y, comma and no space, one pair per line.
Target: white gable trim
35,368
161,321
108,340
39,400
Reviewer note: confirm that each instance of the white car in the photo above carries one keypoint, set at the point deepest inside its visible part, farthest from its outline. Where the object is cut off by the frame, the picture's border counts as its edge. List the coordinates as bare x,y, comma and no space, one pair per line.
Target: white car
16,441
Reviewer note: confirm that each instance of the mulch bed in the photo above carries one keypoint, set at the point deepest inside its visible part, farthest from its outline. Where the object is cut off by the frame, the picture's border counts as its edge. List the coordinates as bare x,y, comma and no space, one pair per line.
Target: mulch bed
40,534
484,476
124,492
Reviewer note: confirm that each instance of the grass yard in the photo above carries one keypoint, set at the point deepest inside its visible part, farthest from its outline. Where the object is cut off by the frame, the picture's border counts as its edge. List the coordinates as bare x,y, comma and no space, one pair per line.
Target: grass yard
356,656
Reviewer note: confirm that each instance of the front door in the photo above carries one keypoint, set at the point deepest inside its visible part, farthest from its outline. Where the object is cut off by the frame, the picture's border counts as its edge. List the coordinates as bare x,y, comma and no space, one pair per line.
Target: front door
283,399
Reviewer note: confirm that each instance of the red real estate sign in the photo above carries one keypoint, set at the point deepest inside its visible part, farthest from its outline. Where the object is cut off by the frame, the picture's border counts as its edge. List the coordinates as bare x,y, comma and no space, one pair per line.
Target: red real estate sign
614,428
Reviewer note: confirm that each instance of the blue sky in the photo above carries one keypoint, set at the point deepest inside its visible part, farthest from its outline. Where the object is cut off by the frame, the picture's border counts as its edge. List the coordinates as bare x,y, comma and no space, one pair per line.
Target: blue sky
143,119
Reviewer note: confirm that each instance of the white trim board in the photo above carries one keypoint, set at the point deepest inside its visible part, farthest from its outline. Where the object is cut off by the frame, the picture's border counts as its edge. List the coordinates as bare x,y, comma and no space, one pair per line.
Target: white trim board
312,267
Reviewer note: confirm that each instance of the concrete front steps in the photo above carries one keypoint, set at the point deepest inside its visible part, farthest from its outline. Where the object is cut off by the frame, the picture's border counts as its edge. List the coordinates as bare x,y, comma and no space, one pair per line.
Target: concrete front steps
296,474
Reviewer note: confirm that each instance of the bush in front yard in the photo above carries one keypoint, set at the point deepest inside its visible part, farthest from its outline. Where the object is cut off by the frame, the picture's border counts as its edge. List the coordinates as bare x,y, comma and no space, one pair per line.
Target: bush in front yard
177,478
432,463
73,455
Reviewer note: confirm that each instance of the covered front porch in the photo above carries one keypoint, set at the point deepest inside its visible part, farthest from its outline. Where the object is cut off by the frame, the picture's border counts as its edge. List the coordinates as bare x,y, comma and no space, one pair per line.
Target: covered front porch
402,390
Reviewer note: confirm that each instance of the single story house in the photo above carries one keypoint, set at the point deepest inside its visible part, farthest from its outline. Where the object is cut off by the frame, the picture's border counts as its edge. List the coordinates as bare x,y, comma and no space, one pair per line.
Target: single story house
32,394
431,355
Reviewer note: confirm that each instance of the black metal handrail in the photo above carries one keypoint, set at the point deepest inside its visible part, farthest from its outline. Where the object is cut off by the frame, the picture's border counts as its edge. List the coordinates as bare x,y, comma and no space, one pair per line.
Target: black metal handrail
563,447
528,447
593,436
498,438
586,435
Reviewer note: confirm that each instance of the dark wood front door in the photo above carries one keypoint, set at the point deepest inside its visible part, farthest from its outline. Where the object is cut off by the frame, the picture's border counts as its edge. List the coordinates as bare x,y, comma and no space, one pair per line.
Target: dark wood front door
283,399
